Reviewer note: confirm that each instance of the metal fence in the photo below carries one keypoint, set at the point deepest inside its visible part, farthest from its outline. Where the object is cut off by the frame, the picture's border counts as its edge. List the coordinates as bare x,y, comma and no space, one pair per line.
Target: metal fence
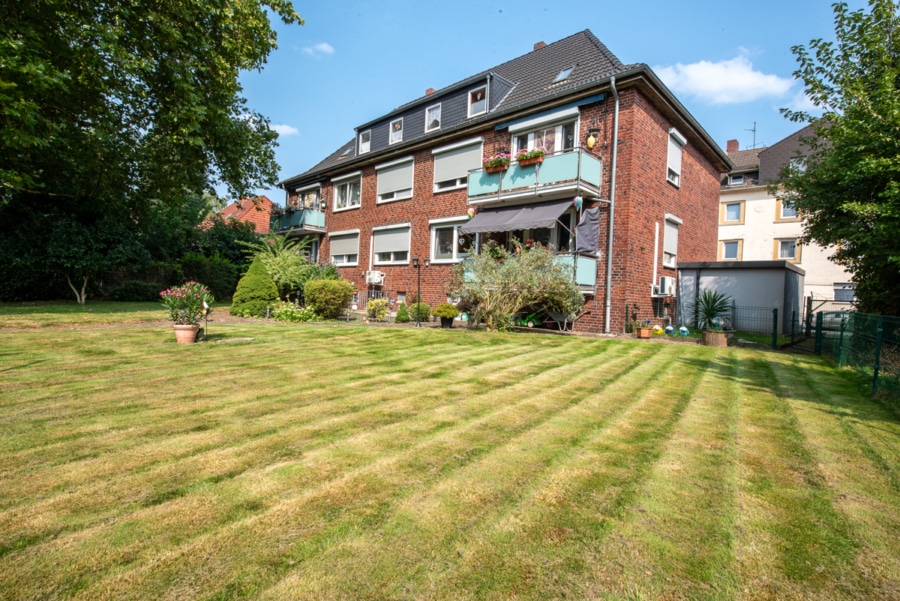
870,344
747,326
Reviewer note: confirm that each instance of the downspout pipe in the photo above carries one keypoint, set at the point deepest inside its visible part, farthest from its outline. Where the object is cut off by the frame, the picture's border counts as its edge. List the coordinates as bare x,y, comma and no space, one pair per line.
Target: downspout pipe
612,209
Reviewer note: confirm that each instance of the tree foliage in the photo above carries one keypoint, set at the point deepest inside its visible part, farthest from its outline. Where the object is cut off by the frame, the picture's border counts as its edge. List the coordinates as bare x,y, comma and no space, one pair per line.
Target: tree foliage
848,185
255,293
286,259
498,284
126,113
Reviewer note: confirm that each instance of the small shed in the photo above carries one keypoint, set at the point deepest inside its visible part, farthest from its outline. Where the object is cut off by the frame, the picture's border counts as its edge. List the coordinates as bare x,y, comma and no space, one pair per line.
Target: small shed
761,284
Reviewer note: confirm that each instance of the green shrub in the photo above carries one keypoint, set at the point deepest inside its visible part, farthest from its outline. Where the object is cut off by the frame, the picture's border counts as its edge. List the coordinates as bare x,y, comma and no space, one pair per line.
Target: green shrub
135,291
402,314
377,308
328,298
446,310
423,309
291,313
218,273
255,292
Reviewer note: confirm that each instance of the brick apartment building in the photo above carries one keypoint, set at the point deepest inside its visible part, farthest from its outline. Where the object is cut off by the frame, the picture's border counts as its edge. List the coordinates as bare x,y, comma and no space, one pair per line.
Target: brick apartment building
628,187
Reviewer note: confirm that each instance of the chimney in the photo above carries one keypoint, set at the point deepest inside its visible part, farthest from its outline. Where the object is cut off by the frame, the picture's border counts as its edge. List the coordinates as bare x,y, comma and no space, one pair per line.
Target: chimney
733,146
539,45
429,91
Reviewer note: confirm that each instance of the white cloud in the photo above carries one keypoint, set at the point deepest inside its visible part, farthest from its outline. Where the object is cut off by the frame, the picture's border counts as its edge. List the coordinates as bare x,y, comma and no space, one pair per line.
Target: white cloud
319,50
725,82
285,130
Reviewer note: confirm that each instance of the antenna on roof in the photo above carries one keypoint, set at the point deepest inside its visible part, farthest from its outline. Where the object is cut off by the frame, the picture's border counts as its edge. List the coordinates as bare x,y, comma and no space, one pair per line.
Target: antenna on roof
754,134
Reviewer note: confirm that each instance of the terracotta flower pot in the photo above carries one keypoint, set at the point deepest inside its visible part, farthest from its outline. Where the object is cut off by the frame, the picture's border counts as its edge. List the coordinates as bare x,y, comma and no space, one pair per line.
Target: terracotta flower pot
531,161
643,332
495,168
186,334
714,339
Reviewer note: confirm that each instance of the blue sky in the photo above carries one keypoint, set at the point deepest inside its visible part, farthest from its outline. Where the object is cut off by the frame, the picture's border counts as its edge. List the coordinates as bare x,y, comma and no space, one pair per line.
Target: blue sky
729,62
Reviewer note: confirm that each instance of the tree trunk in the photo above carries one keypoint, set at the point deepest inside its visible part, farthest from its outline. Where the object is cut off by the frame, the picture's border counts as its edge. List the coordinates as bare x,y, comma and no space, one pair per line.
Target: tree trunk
79,296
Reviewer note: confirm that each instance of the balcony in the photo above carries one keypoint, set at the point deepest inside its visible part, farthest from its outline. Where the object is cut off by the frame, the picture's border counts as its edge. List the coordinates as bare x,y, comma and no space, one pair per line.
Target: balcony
584,270
300,221
568,173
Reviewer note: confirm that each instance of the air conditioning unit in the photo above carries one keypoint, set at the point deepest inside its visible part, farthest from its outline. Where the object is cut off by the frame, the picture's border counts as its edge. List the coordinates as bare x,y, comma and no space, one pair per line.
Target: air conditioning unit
375,278
666,286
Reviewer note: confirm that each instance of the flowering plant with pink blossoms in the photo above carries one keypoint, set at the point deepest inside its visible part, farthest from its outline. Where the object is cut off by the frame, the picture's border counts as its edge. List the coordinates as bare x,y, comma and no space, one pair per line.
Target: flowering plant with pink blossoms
187,304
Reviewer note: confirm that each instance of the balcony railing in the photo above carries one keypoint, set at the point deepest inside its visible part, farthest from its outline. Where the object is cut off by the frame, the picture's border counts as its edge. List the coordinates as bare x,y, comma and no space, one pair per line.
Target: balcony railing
303,219
584,270
573,171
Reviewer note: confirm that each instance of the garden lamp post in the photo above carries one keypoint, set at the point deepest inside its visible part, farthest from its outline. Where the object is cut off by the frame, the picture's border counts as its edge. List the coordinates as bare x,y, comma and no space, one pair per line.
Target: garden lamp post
419,288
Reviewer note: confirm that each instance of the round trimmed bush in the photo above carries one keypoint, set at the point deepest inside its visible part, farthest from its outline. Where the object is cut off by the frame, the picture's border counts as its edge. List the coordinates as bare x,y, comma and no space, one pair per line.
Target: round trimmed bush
402,314
328,298
255,292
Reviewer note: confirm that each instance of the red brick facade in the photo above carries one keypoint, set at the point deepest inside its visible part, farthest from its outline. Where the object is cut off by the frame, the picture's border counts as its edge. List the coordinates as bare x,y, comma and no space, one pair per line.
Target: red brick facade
643,198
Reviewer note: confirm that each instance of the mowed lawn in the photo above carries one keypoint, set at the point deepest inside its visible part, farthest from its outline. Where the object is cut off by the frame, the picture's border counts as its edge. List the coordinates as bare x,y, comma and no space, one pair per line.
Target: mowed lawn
344,462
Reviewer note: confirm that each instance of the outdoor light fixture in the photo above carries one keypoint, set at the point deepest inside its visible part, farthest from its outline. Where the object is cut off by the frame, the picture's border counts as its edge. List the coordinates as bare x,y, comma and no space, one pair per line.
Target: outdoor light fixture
592,137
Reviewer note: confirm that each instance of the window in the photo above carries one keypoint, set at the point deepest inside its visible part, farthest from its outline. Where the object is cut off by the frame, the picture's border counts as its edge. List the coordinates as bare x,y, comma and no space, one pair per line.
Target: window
391,244
735,180
448,244
783,212
670,241
452,164
395,180
549,139
731,250
344,248
787,249
478,101
673,166
731,213
365,141
396,131
798,164
346,192
433,118
563,75
308,199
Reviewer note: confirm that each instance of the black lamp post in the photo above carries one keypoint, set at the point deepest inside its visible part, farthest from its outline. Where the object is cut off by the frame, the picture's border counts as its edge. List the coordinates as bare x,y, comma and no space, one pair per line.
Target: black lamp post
419,288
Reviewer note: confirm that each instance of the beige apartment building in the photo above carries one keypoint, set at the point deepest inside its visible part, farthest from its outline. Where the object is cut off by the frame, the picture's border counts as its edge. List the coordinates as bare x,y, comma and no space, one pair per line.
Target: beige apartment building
756,226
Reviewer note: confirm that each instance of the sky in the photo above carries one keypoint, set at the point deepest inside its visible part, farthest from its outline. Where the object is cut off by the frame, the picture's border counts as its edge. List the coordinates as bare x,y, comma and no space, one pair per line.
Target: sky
728,62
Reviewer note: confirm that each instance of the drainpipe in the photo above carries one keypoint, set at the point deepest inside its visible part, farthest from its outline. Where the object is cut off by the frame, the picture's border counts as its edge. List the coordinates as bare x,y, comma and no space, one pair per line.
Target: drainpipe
612,208
655,254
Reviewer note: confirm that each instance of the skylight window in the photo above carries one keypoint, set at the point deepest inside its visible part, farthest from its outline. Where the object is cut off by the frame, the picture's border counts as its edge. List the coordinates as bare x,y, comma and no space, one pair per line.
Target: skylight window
348,151
563,75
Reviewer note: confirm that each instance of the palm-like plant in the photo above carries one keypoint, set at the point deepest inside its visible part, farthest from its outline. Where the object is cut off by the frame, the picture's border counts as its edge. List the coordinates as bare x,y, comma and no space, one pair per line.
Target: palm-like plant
710,308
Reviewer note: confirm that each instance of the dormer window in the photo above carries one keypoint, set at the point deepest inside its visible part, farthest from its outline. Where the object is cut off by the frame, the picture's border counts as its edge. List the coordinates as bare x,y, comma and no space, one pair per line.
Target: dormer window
563,75
365,141
396,131
736,180
433,118
478,101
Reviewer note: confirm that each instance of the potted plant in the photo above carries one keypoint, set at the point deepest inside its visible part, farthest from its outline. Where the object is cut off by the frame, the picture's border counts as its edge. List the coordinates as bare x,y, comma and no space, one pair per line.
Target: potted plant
530,157
496,163
187,305
447,313
710,311
642,329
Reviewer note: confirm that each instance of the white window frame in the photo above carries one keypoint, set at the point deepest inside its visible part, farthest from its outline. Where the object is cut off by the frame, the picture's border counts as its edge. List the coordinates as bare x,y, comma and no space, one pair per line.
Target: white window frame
366,146
735,180
302,192
453,223
402,193
427,120
392,139
344,262
462,181
674,157
784,208
347,180
471,104
559,134
393,260
670,259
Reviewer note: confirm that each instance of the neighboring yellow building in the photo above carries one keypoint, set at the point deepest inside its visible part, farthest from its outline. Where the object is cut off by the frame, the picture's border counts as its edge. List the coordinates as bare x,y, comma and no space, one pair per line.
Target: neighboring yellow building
755,226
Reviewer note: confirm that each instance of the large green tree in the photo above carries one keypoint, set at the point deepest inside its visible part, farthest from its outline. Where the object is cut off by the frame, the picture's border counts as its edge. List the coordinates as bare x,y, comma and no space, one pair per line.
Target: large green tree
848,185
110,109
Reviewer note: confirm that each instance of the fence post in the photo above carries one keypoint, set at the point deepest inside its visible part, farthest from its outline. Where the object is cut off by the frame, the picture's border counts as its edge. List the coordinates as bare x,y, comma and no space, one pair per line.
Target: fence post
775,329
819,332
879,334
808,318
840,357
